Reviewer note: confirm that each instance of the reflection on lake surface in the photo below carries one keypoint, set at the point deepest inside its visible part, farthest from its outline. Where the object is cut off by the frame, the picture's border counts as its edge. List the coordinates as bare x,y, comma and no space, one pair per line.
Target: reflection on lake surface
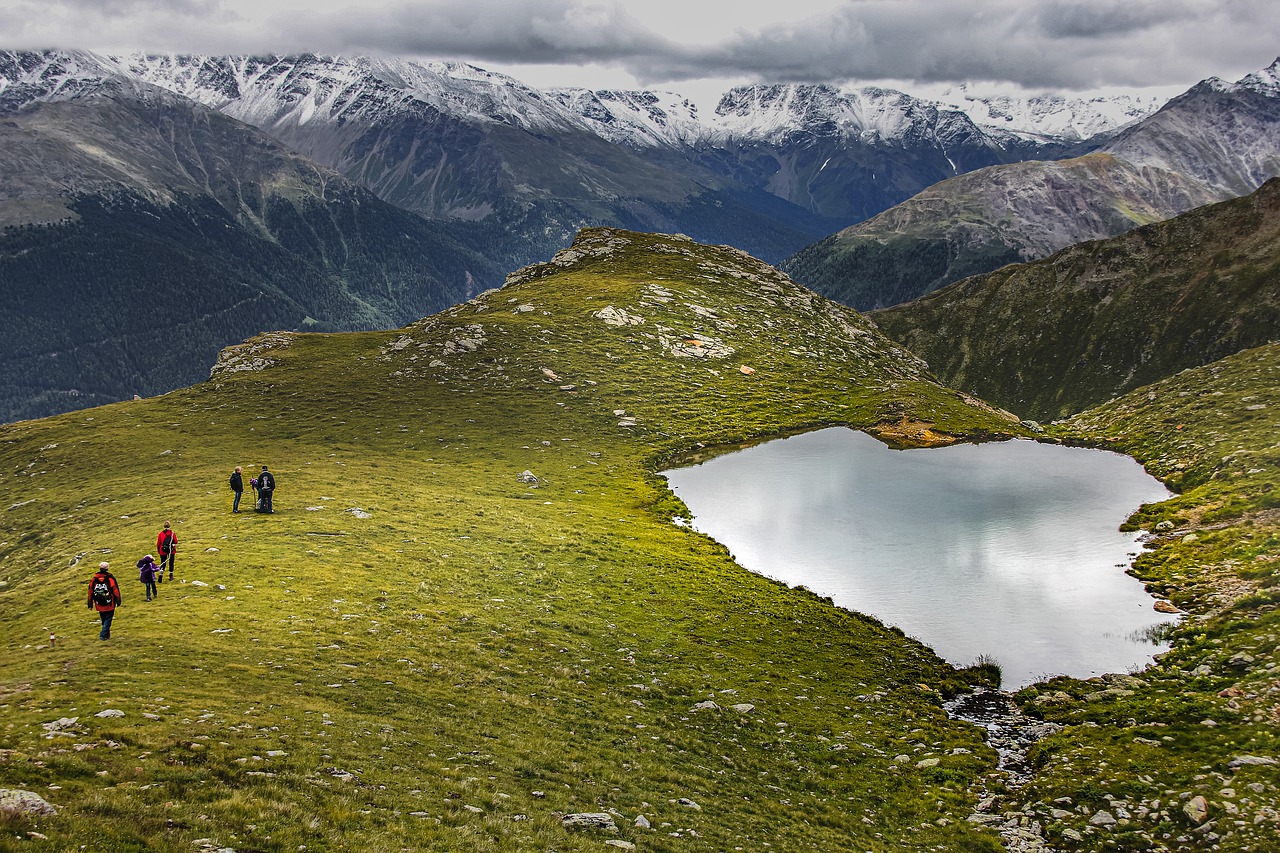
1006,549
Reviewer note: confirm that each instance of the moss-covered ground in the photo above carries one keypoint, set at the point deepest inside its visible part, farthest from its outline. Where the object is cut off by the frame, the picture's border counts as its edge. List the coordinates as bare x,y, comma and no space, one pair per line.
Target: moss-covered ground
421,651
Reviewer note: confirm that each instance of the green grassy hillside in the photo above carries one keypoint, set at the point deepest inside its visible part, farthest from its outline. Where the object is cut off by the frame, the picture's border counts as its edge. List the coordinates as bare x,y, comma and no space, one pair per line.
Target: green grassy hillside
1204,721
1050,338
422,651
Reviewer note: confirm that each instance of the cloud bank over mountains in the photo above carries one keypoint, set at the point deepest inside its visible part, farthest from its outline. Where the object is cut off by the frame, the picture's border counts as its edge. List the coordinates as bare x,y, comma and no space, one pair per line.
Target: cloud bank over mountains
1035,44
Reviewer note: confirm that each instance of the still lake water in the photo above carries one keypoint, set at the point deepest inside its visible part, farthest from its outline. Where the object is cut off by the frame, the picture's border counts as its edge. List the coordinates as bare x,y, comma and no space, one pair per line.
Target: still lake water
1008,549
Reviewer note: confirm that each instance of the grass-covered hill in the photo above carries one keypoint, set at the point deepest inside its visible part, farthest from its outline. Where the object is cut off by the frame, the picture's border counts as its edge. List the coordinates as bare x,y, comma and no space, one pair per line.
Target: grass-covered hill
140,233
424,648
1186,754
1050,338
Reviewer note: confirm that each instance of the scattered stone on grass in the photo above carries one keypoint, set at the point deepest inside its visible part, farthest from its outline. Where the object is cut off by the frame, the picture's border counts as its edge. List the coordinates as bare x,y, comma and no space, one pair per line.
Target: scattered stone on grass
618,317
589,820
1196,809
1251,761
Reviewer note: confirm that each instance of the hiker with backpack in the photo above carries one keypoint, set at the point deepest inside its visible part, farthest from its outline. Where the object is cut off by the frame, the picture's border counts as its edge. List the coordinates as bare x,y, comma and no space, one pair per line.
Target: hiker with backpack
104,595
237,486
147,571
266,486
167,547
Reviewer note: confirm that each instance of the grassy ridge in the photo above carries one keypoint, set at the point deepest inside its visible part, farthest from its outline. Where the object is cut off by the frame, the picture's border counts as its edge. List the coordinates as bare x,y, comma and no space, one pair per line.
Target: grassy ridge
1099,319
468,656
1143,747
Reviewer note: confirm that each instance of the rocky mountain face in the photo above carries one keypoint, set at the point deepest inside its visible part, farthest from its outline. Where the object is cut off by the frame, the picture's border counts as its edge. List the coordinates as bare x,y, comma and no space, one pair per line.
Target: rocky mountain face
1215,142
841,154
144,232
1051,338
448,140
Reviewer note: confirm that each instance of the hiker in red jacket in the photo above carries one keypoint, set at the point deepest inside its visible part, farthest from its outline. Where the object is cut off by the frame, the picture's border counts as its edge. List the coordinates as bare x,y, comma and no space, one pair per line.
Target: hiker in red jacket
167,548
104,594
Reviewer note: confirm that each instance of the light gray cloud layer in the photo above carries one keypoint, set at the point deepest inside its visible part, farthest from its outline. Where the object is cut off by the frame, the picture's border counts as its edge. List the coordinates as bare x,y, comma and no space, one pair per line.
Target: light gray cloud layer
1071,44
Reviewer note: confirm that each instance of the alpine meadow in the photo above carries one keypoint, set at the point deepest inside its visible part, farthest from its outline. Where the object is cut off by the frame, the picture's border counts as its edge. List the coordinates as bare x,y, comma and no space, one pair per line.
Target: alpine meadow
453,316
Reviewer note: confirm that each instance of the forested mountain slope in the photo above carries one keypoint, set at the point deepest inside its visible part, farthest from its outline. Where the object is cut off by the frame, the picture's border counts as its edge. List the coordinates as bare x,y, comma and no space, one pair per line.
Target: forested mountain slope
145,232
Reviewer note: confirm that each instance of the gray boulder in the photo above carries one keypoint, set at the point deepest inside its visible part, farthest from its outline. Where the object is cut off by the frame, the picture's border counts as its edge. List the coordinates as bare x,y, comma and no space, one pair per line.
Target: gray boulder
15,803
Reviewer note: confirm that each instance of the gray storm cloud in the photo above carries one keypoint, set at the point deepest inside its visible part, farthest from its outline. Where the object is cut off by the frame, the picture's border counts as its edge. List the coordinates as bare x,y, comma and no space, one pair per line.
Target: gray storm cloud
509,31
1068,44
1039,44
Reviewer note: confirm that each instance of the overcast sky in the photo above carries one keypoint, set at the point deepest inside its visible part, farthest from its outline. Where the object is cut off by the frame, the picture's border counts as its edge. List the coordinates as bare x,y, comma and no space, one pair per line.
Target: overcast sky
692,45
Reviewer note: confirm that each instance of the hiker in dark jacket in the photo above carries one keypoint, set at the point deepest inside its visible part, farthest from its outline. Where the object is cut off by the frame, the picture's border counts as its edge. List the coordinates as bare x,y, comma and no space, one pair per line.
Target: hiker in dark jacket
167,548
147,571
266,486
237,486
104,595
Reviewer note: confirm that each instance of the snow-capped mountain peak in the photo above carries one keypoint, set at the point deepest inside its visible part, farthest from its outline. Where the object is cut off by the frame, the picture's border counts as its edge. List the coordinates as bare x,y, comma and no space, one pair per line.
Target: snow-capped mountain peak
1050,116
268,91
1265,82
636,119
50,75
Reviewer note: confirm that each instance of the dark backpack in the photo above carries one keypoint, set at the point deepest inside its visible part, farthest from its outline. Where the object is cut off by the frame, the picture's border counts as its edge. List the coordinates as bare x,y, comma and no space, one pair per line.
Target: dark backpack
102,592
166,541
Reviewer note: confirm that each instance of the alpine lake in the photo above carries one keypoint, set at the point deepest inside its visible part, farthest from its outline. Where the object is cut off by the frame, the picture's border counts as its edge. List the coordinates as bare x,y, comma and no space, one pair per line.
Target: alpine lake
1005,551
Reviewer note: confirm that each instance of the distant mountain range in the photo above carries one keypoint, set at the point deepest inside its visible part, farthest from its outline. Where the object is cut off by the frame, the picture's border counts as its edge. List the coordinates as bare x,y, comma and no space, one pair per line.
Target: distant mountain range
1217,141
775,167
315,192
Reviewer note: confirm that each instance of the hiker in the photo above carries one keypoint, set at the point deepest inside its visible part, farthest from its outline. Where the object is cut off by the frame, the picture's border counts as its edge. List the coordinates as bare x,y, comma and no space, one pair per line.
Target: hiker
266,485
167,547
104,594
237,486
147,571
